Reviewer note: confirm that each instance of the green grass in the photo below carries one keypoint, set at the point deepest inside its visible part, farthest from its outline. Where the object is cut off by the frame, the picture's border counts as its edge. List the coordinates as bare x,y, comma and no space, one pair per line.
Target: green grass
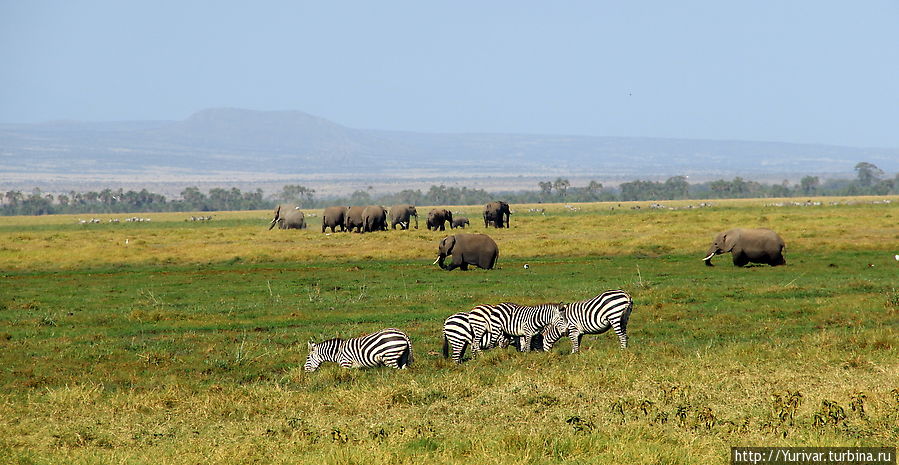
173,354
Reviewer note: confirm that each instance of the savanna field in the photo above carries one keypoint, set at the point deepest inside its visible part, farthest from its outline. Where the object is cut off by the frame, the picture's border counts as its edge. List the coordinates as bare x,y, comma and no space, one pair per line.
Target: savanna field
173,341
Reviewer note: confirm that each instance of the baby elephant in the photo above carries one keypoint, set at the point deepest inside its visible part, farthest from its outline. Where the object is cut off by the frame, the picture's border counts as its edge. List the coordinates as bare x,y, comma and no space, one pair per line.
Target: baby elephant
748,246
467,249
460,222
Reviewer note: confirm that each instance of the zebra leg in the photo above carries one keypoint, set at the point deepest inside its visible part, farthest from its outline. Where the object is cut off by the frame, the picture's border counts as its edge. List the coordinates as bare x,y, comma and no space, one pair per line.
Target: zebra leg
475,343
575,337
621,330
622,337
525,342
459,352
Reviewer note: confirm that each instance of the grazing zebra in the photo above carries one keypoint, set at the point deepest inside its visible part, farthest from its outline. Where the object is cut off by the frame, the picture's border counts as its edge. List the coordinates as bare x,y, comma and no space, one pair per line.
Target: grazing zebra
388,347
516,320
458,334
611,309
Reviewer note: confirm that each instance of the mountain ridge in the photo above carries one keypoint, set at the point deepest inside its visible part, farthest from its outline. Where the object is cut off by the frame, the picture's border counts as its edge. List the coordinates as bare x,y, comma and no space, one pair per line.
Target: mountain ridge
292,144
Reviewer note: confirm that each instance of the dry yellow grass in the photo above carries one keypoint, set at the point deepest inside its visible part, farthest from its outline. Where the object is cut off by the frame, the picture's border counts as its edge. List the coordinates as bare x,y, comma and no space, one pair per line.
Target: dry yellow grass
58,241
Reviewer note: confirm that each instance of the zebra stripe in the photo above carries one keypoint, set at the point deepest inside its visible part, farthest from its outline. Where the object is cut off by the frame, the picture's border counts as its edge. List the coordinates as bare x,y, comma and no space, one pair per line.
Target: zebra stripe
517,320
458,334
389,347
611,309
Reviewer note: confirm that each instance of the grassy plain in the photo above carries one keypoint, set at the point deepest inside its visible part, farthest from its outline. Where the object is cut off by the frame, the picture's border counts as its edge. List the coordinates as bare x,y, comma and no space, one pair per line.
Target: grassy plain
185,344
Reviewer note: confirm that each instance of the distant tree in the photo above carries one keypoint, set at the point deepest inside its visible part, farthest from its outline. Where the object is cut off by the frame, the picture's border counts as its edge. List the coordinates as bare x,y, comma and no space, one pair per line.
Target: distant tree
780,190
561,186
868,173
677,187
720,188
14,197
194,199
546,188
809,185
361,198
300,195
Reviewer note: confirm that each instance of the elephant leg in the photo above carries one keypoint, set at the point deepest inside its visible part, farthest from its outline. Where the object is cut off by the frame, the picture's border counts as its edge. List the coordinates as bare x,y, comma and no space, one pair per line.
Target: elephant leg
452,266
740,259
464,266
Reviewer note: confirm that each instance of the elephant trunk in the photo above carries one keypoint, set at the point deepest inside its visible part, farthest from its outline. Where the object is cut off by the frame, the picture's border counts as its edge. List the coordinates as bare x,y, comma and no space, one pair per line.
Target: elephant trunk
440,261
708,259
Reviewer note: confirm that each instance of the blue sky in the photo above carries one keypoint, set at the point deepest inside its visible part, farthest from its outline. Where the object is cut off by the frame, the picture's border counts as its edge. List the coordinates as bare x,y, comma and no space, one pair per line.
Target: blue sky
794,71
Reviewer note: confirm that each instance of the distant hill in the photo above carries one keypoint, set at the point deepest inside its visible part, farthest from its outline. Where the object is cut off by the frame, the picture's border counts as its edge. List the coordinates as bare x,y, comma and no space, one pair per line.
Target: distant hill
233,143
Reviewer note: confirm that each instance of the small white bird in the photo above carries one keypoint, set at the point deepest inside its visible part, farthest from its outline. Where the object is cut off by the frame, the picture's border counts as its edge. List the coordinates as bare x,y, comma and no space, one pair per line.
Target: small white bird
526,266
897,258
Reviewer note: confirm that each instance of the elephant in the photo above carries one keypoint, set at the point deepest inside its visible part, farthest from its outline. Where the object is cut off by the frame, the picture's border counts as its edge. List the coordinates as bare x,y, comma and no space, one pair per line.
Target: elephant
748,245
401,214
498,213
438,217
353,219
288,217
334,217
459,222
467,249
374,218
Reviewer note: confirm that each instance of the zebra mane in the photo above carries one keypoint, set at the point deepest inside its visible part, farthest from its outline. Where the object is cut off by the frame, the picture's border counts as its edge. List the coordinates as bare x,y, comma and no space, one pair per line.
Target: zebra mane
329,345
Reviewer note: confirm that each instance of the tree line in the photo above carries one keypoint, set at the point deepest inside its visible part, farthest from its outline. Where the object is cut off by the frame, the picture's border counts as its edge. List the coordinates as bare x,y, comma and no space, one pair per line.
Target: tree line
869,180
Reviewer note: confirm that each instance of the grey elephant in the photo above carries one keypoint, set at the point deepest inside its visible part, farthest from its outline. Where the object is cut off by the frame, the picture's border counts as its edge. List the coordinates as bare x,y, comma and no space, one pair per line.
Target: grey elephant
748,246
288,217
334,217
438,217
497,213
467,249
374,218
401,215
460,222
353,219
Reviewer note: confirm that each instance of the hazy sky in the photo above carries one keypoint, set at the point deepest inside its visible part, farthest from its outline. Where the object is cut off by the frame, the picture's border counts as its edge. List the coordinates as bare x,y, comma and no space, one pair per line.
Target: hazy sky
782,70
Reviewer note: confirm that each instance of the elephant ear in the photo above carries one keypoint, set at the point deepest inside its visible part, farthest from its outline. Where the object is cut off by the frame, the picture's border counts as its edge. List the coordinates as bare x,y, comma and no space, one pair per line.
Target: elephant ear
448,243
275,219
728,242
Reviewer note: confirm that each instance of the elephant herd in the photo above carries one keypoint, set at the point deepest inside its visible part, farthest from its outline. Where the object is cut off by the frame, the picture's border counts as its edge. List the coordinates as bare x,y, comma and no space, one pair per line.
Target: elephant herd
745,245
375,218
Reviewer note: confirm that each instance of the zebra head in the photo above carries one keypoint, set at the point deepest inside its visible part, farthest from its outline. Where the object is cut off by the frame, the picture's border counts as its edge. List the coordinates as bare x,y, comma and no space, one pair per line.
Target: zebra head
557,327
325,351
559,319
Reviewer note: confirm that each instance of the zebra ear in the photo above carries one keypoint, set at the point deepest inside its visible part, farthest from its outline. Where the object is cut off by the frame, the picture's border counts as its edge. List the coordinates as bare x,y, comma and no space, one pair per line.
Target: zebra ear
311,346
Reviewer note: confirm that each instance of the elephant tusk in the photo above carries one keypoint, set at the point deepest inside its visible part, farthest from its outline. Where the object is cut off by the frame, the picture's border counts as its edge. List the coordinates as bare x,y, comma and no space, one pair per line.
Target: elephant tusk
435,261
709,257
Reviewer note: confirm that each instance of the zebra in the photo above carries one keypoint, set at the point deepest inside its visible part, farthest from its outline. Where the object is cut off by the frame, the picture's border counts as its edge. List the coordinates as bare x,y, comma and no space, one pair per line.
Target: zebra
611,309
390,347
516,320
458,334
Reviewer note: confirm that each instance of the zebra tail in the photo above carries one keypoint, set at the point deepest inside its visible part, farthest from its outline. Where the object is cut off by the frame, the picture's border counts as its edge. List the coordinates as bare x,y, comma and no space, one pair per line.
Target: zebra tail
406,357
445,347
